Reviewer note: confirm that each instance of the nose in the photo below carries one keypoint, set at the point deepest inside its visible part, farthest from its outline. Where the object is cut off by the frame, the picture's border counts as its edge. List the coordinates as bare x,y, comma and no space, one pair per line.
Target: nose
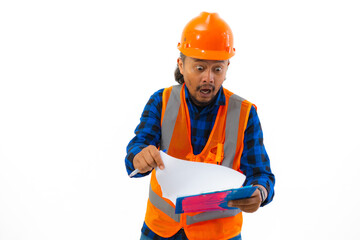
208,76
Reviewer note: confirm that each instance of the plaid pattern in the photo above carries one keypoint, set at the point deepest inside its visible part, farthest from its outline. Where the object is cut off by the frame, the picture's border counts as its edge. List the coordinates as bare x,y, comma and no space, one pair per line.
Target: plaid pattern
255,163
202,120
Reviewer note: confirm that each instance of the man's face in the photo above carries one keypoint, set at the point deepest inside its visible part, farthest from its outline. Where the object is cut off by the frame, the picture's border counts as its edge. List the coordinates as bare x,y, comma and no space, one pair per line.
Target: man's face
203,78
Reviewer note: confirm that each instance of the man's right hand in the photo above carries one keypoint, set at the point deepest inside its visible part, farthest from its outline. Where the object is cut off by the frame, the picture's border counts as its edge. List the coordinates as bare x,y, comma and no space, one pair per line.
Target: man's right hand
148,159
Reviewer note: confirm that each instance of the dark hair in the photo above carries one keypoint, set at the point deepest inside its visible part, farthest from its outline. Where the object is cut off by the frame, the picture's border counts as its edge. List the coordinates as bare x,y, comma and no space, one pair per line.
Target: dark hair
178,76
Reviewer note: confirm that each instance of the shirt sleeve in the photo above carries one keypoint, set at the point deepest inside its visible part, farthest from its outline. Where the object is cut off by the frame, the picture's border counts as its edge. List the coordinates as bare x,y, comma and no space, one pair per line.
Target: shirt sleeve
148,132
255,162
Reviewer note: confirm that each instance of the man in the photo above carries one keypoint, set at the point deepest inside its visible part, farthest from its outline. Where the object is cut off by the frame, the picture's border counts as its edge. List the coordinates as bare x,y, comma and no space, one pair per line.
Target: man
199,120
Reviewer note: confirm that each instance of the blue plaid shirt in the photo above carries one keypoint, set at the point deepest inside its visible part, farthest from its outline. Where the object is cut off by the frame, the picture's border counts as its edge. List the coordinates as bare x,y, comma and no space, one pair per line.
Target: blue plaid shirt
255,163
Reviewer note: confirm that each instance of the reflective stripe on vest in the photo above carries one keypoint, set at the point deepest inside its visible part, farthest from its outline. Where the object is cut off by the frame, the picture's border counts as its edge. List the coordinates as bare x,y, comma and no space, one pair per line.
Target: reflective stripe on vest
231,136
231,130
205,216
166,208
170,116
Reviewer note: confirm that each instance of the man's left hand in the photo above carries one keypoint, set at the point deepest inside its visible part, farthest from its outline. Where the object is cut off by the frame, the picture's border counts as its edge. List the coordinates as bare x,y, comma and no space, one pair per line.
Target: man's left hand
250,204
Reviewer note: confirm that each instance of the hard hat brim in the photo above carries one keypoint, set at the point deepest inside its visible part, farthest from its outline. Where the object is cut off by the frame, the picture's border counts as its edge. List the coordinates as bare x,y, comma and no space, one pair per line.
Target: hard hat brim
206,54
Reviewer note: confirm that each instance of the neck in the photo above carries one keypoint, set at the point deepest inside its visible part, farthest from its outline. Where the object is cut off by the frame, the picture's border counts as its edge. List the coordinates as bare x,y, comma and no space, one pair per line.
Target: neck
201,105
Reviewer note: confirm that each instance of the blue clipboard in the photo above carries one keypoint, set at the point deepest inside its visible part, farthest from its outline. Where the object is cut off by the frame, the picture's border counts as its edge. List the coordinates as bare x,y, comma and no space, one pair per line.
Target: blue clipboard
213,201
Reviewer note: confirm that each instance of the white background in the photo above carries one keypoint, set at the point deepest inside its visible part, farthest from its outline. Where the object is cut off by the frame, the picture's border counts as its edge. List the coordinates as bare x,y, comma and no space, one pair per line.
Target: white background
75,76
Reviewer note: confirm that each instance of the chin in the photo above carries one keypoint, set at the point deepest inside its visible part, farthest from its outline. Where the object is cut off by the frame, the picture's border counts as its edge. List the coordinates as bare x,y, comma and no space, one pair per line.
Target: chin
204,102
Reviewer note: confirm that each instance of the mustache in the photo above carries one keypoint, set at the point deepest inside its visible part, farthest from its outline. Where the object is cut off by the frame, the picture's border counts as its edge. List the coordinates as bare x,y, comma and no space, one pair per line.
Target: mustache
206,86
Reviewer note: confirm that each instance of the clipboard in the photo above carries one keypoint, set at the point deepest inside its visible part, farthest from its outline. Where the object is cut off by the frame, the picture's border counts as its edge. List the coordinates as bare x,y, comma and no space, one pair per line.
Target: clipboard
213,201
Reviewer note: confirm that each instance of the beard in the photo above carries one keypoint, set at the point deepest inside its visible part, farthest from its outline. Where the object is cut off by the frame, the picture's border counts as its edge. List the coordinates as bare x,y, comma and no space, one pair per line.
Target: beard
203,104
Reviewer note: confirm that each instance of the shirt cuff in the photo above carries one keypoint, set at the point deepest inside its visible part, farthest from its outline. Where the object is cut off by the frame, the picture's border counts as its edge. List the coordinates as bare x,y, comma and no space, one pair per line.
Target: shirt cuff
266,185
130,158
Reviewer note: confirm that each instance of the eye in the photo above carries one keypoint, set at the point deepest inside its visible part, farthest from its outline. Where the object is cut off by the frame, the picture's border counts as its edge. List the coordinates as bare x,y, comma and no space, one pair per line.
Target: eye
218,69
199,68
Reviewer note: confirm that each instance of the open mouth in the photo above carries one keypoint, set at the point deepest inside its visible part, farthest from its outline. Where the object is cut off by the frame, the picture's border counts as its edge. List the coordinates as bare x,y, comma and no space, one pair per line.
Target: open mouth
205,91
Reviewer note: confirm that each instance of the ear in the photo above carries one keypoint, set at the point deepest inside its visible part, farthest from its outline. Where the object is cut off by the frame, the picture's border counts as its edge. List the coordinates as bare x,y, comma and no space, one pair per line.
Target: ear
228,62
181,65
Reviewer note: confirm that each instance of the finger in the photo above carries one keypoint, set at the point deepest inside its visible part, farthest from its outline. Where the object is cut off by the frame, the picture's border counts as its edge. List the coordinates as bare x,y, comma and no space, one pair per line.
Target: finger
254,200
243,202
245,208
156,156
237,203
250,209
145,166
150,160
141,162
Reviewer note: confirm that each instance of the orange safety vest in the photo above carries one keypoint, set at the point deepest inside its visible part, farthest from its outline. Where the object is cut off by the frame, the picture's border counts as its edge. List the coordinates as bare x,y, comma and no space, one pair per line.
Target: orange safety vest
224,146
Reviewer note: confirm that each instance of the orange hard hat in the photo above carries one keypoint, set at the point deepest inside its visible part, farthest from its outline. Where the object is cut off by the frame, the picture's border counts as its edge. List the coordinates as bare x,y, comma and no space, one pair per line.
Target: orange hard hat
207,37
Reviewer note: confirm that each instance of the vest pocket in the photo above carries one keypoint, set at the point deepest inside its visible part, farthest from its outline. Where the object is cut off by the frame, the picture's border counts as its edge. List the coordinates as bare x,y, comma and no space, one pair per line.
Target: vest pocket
216,154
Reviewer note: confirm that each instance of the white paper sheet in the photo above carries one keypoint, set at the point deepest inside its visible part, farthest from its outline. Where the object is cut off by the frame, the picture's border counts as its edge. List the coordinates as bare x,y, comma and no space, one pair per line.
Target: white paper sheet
182,178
